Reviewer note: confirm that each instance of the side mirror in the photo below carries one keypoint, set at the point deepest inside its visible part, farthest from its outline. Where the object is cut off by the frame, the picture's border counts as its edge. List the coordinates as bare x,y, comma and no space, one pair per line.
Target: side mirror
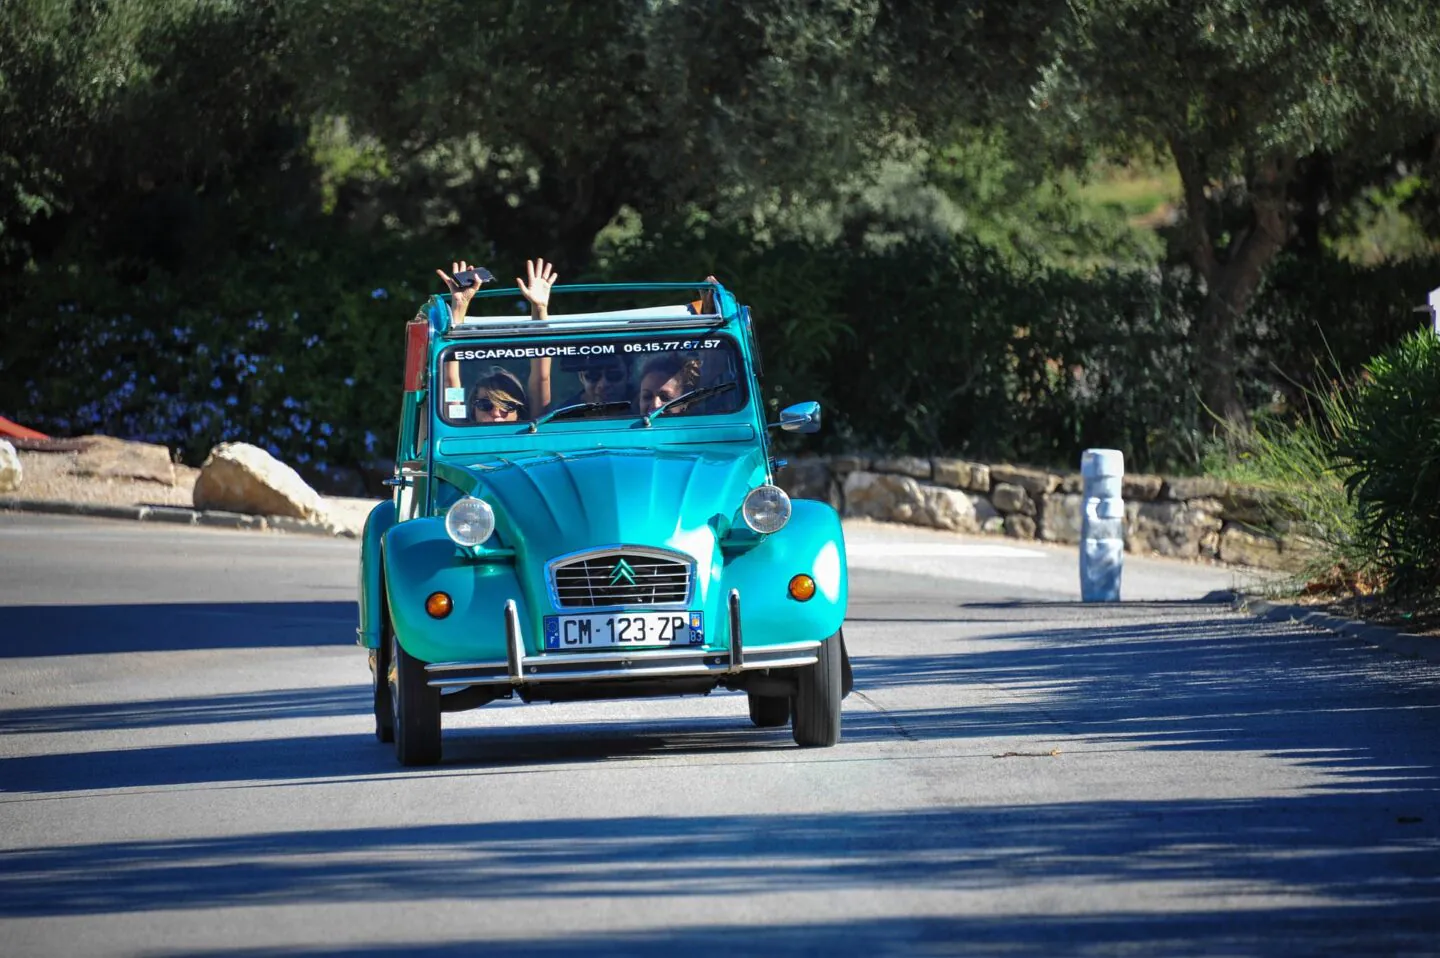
801,417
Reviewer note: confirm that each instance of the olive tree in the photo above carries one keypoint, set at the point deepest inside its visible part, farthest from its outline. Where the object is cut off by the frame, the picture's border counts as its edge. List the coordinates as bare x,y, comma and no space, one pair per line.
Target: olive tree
1243,94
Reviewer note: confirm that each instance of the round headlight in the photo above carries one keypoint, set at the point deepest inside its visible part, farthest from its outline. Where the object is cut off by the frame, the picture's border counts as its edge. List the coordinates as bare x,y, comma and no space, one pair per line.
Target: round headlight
766,509
470,522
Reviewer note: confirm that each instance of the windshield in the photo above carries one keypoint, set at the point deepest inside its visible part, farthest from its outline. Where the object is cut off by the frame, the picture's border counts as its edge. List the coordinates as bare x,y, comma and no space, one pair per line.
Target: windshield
487,384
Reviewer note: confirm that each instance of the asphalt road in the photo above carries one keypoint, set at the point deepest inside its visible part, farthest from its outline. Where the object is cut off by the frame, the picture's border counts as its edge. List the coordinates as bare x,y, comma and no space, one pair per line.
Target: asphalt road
187,768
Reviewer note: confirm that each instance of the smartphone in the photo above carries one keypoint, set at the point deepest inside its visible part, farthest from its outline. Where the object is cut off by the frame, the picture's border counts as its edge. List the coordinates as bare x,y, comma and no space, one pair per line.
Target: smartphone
473,277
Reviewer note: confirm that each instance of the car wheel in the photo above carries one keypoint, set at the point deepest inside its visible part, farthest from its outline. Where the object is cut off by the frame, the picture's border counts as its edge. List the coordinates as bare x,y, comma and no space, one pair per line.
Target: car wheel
415,708
769,711
816,722
380,687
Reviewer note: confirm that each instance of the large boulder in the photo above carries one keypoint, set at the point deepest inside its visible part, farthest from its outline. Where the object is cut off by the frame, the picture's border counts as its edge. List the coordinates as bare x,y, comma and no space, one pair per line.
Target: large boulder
10,471
894,498
105,457
239,477
962,474
1060,517
1170,528
1036,482
911,466
1010,498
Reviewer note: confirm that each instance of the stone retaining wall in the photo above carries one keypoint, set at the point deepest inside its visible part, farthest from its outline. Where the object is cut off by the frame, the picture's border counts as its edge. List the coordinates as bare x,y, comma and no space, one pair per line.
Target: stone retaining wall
1185,517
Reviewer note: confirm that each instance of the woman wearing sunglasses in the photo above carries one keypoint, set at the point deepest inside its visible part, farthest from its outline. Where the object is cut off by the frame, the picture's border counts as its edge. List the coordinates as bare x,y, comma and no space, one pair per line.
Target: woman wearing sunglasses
497,396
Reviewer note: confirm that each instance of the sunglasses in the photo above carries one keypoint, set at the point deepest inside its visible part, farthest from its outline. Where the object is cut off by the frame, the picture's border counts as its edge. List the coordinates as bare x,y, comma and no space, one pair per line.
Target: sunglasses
487,404
611,374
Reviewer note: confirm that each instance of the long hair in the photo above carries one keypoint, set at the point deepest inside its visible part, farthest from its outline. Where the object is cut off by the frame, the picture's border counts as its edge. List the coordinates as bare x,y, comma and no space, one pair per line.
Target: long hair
501,385
673,366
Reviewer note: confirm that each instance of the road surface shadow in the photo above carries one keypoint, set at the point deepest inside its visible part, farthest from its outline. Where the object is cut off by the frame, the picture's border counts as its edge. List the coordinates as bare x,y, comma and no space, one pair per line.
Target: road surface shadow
1341,930
42,630
1164,682
307,703
1315,872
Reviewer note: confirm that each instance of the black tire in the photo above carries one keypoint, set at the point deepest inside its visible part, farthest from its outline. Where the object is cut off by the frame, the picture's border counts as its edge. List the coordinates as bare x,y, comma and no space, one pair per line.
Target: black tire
380,687
415,708
769,711
816,719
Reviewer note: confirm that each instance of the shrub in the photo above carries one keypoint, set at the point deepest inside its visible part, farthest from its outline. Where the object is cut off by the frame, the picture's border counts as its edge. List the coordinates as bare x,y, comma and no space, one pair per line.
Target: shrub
297,351
1392,452
1294,457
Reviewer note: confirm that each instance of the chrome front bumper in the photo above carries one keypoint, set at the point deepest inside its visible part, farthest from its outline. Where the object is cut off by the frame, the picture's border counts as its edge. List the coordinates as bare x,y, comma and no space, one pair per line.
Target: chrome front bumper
522,669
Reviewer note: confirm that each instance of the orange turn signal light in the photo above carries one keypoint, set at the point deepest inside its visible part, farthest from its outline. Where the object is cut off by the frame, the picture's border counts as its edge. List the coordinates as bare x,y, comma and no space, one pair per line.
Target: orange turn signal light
439,605
802,588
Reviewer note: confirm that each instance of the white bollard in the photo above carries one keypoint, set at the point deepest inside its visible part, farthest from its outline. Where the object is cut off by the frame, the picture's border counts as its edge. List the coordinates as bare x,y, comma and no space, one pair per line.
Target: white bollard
1102,525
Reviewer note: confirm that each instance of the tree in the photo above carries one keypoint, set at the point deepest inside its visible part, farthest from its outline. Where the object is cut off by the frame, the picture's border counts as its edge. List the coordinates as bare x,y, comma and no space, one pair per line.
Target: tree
1244,94
542,121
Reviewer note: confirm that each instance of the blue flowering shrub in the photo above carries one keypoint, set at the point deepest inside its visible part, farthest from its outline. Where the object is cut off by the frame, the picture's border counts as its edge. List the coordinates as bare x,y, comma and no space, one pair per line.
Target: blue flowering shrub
287,352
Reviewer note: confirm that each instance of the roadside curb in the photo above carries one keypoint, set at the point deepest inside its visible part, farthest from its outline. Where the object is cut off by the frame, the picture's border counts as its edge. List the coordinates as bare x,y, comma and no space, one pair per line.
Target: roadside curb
177,515
1382,636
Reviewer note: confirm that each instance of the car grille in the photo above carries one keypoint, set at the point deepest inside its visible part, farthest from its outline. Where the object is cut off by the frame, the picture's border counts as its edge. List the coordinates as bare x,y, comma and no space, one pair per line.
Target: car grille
620,578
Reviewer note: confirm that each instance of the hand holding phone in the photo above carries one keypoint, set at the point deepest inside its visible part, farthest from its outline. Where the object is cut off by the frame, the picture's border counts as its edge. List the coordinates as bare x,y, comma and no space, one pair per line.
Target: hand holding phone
478,276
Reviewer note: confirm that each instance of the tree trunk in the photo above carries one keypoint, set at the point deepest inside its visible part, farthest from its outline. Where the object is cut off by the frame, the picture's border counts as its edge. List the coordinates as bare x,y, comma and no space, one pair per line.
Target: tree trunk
1232,274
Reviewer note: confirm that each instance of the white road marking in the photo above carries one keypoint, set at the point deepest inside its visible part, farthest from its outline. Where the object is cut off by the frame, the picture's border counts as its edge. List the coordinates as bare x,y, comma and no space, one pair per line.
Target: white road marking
958,550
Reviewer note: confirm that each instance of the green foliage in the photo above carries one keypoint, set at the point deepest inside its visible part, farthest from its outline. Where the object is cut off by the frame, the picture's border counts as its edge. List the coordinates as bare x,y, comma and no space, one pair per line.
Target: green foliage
1294,457
1030,211
932,347
1392,454
1318,318
297,351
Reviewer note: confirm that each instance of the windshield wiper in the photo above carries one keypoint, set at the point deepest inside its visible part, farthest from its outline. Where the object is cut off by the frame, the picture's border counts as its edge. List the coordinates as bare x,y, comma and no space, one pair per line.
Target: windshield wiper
612,405
714,389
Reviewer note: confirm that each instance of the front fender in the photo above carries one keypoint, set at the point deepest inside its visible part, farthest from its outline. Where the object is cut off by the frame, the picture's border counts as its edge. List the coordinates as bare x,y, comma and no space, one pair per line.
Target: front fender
420,559
812,542
381,518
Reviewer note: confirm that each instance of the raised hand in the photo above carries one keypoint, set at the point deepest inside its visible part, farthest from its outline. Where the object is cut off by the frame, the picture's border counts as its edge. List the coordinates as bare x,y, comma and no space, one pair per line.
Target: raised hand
707,299
541,276
459,298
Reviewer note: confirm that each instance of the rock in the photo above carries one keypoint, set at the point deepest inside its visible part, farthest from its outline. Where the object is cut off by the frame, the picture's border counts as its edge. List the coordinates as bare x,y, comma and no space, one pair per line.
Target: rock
1008,498
949,509
11,473
1060,516
1168,528
105,457
962,474
895,498
1249,505
994,525
1073,482
1019,527
1242,546
904,466
985,511
238,477
844,465
1037,482
1139,487
1194,487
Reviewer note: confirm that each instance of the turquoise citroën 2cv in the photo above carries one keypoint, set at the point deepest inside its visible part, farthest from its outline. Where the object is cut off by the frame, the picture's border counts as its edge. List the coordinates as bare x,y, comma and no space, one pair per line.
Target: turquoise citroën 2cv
584,507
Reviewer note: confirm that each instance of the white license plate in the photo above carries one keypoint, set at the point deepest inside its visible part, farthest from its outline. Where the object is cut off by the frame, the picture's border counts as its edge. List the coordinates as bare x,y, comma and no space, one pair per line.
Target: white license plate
610,630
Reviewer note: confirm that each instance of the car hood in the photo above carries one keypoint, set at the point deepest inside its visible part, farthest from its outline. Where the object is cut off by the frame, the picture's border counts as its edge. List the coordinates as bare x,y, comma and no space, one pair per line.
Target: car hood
553,504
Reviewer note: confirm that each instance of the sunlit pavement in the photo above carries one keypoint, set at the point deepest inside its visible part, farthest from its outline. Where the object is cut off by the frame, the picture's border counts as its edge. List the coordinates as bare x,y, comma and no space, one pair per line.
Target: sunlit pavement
186,767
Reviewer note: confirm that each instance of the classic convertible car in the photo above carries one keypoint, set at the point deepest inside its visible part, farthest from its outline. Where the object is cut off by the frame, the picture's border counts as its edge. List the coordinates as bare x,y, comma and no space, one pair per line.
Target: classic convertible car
584,508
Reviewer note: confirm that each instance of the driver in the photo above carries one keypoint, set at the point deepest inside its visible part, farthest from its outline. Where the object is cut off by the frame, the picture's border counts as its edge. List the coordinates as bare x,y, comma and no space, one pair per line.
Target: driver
602,379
